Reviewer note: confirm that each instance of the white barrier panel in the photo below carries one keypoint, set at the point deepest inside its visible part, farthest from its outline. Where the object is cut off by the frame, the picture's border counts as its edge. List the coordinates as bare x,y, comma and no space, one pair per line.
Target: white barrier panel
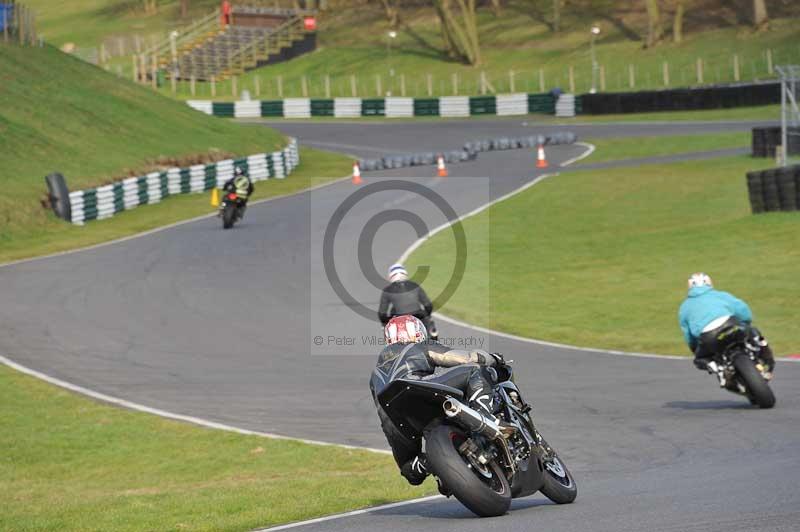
257,167
277,165
204,106
153,187
174,180
454,106
346,107
130,197
399,107
197,178
224,171
247,109
565,106
512,104
297,108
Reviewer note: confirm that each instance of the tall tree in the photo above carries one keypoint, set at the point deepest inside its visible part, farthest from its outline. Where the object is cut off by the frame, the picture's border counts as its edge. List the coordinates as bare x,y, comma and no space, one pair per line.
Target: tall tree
184,8
556,15
654,30
459,29
677,22
760,16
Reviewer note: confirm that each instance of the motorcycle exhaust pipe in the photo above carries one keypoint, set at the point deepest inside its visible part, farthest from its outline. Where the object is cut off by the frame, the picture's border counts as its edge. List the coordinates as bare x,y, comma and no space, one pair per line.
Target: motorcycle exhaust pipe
471,419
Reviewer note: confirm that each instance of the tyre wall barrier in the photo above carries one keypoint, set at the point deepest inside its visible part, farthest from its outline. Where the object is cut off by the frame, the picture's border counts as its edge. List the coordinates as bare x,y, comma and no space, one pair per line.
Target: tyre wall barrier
767,139
106,201
58,194
718,97
776,189
468,152
392,107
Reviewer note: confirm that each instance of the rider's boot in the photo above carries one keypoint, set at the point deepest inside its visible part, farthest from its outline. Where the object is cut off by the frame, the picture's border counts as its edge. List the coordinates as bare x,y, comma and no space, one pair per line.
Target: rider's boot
414,471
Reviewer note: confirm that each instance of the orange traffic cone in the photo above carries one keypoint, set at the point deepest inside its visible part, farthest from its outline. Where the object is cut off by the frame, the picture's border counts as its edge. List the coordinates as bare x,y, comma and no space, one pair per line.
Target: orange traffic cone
357,174
441,167
541,162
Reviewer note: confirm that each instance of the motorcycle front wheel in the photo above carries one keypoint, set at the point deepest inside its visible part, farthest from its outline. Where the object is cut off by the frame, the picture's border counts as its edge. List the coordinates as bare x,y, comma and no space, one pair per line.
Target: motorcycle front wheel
228,215
559,486
483,488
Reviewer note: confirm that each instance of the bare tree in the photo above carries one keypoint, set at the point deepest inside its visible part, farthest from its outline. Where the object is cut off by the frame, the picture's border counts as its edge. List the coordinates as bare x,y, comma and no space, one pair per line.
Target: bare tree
654,30
184,8
459,29
677,22
760,15
556,15
391,10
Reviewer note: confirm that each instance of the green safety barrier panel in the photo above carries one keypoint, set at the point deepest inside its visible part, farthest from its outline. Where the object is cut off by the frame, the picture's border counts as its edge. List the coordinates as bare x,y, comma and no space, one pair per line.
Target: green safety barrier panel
578,105
271,107
321,107
224,109
373,107
482,105
426,106
141,190
542,103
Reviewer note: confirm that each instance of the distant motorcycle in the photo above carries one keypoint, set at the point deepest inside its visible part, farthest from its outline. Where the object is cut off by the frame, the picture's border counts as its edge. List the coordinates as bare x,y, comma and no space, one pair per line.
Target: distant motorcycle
740,368
483,463
231,208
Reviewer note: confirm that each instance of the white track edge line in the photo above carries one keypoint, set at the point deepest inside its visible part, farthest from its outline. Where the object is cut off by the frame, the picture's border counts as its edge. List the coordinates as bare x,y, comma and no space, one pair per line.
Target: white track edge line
171,415
590,148
348,514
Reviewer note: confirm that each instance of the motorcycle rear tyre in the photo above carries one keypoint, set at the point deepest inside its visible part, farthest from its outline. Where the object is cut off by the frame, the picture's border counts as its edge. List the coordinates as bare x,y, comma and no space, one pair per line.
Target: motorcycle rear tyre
758,391
446,462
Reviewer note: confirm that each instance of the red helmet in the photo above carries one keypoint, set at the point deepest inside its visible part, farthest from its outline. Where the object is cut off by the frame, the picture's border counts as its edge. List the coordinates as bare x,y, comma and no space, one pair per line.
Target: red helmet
404,330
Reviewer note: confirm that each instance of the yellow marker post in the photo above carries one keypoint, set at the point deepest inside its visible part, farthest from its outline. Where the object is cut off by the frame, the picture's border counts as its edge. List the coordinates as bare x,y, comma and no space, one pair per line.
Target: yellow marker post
215,197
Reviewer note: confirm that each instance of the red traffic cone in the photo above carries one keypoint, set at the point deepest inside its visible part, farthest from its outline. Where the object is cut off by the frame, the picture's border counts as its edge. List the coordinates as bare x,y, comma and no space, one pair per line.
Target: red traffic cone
357,174
442,169
541,162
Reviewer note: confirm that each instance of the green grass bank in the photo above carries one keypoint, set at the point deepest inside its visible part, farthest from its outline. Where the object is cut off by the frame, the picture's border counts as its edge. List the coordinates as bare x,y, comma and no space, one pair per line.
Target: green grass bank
70,463
604,255
60,114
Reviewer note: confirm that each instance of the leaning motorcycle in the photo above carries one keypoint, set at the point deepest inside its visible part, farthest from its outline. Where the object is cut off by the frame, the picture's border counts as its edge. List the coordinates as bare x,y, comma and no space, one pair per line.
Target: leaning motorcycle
740,368
231,209
483,462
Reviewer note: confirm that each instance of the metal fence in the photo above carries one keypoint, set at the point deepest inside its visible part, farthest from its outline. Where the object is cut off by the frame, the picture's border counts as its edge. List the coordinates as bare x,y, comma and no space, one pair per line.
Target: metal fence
18,24
790,113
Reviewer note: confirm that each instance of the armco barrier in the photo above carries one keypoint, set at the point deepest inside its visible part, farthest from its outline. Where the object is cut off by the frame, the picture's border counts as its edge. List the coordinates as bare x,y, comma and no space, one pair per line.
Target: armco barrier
106,201
776,189
717,97
391,107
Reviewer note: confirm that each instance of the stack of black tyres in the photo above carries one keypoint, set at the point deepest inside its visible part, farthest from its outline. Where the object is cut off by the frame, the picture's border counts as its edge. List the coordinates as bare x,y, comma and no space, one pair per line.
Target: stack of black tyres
776,189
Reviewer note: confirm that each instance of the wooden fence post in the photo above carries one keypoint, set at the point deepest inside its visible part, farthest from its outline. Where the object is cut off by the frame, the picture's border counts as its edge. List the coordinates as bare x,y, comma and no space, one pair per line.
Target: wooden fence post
736,73
430,85
304,86
135,69
511,81
541,80
327,86
699,71
353,86
257,80
234,86
769,61
192,85
455,83
402,85
213,86
665,68
571,80
153,71
631,76
173,82
602,78
378,88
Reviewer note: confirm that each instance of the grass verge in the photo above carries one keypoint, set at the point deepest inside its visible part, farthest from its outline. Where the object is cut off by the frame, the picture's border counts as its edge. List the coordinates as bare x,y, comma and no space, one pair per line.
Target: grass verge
316,166
613,149
69,463
604,256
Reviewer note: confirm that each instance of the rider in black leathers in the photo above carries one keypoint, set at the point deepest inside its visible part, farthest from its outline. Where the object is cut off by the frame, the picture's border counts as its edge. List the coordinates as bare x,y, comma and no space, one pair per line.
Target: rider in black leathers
402,297
419,358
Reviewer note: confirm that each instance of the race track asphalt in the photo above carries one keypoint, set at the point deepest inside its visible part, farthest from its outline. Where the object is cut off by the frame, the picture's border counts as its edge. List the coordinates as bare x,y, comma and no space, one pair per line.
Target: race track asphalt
220,325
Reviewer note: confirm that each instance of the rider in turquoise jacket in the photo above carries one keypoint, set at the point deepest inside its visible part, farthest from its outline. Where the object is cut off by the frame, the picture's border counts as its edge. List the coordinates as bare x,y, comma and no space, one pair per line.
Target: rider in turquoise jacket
704,307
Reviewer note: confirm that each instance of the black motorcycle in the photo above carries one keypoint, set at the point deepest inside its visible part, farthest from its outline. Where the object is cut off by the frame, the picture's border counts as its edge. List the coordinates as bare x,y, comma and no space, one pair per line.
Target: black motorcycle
484,463
740,368
231,208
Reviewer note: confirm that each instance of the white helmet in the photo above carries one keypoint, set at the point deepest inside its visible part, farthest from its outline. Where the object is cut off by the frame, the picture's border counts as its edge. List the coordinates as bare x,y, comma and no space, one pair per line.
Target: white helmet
397,273
699,279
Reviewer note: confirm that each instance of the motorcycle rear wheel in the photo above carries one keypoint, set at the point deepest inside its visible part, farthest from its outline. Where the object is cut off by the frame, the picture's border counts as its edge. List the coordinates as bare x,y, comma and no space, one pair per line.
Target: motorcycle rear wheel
758,391
484,491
